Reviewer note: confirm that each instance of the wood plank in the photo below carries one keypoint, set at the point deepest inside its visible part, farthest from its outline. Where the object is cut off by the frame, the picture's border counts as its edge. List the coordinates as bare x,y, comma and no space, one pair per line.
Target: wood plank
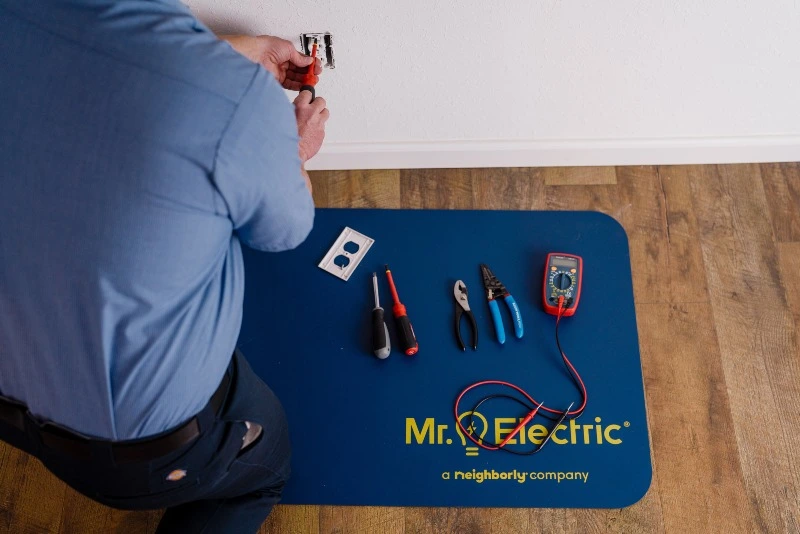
507,189
604,198
133,522
356,189
641,195
756,335
32,512
361,519
425,520
292,518
436,189
789,261
80,514
695,462
579,175
782,188
320,187
13,464
644,516
540,520
684,255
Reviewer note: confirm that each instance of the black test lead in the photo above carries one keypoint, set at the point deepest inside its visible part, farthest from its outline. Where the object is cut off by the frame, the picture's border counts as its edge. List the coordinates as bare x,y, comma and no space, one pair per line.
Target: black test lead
381,345
405,332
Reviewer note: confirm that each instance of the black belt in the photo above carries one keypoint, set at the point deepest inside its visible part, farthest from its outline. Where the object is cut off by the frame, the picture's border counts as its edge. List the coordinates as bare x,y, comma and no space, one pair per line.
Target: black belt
64,441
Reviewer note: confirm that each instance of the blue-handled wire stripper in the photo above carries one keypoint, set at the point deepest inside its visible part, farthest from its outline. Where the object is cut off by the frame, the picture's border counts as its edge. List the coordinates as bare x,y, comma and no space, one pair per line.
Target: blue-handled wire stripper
495,290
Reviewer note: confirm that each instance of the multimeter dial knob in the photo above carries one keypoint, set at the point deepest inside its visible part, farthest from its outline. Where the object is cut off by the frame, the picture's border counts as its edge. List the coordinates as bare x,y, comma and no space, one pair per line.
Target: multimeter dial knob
562,280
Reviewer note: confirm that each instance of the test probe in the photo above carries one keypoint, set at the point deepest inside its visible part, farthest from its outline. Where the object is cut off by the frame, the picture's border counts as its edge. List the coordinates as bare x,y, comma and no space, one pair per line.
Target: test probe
560,295
405,332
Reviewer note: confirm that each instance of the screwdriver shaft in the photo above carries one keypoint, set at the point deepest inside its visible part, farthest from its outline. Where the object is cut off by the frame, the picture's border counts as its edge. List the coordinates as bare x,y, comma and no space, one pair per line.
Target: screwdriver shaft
375,289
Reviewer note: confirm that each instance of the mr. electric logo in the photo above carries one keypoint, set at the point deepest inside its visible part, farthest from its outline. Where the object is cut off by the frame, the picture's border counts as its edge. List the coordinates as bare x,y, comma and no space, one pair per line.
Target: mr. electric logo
428,431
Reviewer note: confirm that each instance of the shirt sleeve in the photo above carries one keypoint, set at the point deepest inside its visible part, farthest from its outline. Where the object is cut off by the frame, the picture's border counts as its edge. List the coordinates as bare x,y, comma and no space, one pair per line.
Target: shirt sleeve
258,170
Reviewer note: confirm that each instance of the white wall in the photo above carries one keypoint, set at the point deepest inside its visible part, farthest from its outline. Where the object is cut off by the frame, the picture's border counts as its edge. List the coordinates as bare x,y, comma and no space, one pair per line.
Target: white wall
426,83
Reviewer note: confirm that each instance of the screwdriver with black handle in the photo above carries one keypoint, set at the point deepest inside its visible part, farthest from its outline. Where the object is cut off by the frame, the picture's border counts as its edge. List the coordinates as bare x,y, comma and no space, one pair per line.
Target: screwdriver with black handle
381,345
405,332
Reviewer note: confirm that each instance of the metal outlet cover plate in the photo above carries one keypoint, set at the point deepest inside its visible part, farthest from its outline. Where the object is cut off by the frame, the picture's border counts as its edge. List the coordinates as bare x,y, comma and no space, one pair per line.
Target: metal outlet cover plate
346,253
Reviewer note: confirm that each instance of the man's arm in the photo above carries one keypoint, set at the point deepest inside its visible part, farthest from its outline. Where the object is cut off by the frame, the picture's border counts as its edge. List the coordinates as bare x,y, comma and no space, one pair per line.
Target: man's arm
311,118
279,57
260,160
258,170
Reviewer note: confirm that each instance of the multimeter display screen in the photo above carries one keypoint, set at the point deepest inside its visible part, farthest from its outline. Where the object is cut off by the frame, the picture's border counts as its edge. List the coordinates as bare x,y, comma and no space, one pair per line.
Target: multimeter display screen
565,262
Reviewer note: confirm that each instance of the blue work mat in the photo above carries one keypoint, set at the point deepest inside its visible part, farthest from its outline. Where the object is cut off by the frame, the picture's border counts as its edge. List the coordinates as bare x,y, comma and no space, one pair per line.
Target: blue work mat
381,432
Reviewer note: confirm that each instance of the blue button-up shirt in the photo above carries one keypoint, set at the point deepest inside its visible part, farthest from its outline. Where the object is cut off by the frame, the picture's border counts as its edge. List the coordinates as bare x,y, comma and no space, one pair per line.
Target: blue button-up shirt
137,151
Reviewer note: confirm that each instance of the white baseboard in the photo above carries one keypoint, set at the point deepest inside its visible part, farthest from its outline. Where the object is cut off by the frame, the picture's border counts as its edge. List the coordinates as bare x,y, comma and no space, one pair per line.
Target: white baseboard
556,153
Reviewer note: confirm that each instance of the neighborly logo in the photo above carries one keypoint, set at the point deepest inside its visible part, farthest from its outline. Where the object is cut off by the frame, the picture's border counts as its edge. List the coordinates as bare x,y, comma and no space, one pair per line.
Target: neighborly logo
428,431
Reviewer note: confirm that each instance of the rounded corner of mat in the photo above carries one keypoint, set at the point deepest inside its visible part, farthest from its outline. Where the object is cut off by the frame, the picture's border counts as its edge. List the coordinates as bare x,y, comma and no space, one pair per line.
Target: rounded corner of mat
637,491
608,219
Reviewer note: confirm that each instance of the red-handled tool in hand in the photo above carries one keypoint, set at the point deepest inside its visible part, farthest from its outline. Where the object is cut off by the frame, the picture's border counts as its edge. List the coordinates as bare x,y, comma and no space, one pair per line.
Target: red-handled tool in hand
405,332
310,79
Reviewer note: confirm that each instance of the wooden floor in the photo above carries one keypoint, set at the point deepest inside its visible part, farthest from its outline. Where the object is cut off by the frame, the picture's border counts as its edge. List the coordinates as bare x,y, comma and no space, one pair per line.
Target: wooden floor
717,289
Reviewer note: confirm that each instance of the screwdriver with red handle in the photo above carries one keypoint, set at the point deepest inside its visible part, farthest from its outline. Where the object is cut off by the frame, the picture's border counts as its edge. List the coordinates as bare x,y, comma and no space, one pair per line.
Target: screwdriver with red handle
405,332
310,79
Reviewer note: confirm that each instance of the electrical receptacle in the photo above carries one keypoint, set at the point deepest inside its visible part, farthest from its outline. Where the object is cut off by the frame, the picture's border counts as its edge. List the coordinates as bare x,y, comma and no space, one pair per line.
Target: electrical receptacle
324,47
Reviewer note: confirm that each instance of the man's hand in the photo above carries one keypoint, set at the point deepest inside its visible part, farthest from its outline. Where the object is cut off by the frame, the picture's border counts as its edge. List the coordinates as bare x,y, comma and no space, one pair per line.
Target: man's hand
311,118
276,55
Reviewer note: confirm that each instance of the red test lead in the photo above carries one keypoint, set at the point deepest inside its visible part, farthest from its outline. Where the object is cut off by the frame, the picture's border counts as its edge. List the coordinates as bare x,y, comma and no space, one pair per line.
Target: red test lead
521,424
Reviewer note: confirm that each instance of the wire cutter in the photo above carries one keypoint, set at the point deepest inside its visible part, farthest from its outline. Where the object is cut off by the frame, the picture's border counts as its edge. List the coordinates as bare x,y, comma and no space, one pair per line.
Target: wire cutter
462,308
494,290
